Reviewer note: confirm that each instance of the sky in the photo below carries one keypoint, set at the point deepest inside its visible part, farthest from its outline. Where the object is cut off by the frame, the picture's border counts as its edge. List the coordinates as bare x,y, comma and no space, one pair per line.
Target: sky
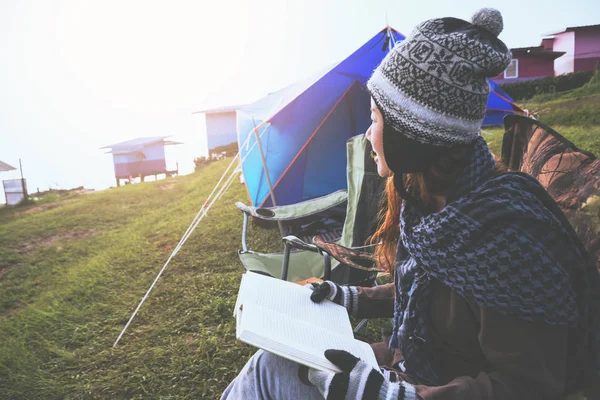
78,75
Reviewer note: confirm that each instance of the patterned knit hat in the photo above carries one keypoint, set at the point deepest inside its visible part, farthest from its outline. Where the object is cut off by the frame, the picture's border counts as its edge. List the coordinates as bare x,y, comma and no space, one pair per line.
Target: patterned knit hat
431,88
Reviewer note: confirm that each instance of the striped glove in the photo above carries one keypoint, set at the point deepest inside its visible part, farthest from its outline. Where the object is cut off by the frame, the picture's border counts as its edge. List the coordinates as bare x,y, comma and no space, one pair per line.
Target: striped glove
346,296
358,381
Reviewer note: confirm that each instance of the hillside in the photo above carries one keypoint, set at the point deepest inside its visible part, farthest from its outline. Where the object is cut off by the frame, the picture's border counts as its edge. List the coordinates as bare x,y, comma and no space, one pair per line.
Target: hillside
574,114
73,268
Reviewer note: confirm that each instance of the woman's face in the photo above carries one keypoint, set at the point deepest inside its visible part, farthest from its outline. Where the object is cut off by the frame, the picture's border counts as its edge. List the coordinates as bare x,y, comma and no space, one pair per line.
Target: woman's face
375,136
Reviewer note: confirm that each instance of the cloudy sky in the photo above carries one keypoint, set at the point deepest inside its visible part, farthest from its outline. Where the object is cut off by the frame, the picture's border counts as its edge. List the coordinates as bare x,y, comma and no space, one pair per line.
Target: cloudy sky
78,75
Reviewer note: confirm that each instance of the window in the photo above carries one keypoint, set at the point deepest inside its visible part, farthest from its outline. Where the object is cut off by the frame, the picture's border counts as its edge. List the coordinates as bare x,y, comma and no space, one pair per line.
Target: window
512,71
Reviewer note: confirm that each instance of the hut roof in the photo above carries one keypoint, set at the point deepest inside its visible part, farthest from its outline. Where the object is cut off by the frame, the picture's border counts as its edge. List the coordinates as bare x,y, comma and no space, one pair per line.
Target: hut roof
5,167
218,110
137,144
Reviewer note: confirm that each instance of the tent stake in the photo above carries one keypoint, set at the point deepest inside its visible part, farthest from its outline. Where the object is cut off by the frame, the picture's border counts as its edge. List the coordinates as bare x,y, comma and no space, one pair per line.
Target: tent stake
264,163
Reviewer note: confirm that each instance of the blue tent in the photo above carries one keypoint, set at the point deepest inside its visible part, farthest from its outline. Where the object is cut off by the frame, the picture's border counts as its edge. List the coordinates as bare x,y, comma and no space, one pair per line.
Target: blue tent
499,105
303,128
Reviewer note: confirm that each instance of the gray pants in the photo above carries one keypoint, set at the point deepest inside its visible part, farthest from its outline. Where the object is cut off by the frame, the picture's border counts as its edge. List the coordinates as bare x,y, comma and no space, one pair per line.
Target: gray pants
267,376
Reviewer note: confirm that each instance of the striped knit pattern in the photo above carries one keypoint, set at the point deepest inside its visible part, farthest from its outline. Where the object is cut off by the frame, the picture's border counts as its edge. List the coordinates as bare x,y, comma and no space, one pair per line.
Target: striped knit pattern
346,296
432,86
359,381
350,299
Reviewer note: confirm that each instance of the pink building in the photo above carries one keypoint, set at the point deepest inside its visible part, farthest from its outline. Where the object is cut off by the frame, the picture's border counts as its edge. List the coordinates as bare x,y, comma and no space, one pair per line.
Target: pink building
572,50
581,45
529,63
140,158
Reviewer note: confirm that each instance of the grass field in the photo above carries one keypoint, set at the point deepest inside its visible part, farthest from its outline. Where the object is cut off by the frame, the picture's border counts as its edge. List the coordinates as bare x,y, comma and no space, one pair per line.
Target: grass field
575,115
73,271
74,267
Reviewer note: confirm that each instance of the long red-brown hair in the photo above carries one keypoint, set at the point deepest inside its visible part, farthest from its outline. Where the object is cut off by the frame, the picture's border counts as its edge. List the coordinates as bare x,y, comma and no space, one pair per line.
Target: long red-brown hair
429,187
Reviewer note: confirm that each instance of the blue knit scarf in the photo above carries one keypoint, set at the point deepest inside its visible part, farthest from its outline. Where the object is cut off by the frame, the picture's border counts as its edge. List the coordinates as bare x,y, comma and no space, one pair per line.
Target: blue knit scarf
501,242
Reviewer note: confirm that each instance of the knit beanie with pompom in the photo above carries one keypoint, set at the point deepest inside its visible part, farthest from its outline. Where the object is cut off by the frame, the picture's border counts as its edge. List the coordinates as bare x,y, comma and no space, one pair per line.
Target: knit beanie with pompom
432,90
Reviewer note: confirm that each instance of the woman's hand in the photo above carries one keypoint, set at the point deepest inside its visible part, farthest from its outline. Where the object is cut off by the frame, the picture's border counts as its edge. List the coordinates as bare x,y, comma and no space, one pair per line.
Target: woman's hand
326,290
358,380
346,296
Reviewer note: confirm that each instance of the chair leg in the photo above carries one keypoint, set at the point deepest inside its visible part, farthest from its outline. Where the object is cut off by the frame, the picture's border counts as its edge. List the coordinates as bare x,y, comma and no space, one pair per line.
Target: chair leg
244,230
360,325
286,262
327,272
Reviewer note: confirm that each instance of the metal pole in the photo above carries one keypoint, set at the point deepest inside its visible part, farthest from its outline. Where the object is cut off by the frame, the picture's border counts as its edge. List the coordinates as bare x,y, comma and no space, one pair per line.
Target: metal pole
264,163
244,229
286,262
23,187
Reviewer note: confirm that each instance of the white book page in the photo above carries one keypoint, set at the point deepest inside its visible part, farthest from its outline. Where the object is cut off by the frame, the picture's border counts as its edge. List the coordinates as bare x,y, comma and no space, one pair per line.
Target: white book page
275,295
300,342
279,316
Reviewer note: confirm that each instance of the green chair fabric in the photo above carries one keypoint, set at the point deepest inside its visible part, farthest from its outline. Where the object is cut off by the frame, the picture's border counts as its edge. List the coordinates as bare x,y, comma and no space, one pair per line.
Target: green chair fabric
296,211
304,264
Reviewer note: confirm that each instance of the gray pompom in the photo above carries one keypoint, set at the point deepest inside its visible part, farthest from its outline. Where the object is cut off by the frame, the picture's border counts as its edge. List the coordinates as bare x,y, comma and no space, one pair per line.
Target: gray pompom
489,19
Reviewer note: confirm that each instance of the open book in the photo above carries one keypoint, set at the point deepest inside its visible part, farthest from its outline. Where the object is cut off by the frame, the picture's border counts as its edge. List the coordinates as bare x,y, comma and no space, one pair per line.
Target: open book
279,317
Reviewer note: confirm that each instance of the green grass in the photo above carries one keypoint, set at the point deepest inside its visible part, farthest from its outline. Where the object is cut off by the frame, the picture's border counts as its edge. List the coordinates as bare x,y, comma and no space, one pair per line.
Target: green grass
73,273
584,137
73,268
575,115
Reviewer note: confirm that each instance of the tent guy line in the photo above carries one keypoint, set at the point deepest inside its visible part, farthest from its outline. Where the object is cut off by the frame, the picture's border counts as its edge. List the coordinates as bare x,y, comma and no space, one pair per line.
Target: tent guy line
206,206
199,217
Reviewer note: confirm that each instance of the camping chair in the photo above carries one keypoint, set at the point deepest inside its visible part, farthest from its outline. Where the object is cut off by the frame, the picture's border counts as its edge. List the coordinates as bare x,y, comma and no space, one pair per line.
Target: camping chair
305,256
570,175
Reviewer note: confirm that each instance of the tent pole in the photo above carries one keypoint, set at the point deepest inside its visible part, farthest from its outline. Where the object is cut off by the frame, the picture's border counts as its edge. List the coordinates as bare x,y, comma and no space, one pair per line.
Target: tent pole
264,163
314,133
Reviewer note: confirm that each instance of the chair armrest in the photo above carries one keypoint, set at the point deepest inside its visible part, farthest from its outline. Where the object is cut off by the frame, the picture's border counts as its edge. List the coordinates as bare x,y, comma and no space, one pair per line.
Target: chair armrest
295,211
297,243
352,257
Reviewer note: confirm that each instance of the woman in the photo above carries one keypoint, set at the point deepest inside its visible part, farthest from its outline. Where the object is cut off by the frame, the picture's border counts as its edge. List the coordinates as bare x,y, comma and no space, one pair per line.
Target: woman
490,294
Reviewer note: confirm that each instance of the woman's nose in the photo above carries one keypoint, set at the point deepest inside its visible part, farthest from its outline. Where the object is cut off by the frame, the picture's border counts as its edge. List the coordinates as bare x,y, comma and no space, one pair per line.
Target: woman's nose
368,134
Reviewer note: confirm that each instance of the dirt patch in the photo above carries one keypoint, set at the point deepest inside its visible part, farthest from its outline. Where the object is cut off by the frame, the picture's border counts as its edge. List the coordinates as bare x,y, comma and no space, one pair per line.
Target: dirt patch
9,312
44,207
190,339
3,272
166,248
84,191
42,242
162,243
166,186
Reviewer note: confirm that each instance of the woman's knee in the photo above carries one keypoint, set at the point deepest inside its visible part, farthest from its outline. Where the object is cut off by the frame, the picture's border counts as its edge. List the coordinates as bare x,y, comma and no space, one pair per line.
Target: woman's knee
265,362
267,375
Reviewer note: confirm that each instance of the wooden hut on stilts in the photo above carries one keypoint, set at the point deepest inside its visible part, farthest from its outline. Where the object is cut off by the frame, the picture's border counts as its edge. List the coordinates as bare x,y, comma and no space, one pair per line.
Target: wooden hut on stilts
139,158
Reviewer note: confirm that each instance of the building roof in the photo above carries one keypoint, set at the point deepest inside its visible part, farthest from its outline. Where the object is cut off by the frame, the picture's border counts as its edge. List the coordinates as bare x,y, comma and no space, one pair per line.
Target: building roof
584,27
501,81
218,110
576,28
5,167
535,51
137,144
